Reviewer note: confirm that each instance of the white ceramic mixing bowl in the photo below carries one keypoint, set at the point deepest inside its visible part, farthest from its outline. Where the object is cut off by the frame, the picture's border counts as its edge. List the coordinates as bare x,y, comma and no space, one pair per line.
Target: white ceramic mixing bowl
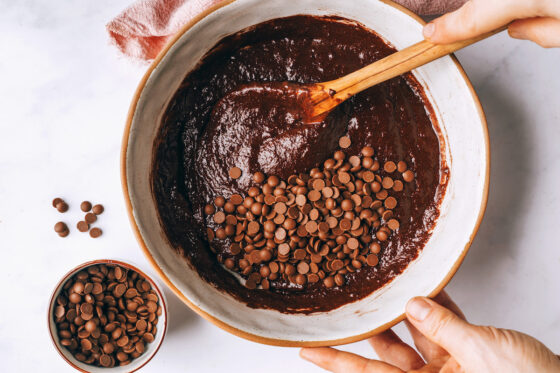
465,149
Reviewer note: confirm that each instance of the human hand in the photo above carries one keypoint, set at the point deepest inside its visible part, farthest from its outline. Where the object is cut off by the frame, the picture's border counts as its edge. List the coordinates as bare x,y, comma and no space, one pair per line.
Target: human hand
536,20
447,342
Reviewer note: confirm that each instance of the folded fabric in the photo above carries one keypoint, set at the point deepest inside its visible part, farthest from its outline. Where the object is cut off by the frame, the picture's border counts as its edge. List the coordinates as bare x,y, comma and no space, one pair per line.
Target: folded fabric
143,28
431,7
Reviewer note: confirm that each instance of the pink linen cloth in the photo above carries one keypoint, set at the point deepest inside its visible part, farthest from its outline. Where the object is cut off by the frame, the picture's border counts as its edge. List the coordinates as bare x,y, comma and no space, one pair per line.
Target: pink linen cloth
141,30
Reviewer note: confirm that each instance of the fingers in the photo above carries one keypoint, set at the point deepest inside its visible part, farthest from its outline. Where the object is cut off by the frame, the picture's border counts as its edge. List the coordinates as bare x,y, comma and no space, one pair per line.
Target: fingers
428,349
441,326
391,349
545,31
445,300
476,17
451,366
342,362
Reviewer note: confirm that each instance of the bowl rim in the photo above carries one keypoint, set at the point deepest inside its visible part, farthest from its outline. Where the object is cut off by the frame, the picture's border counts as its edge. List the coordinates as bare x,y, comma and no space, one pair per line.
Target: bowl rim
79,267
225,326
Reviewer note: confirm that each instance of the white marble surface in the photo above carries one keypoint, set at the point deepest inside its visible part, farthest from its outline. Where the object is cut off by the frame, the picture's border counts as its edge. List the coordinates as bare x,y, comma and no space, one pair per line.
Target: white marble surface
64,95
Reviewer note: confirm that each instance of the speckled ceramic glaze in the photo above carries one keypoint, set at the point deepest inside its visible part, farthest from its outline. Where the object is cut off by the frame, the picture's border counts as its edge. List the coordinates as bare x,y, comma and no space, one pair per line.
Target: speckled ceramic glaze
465,149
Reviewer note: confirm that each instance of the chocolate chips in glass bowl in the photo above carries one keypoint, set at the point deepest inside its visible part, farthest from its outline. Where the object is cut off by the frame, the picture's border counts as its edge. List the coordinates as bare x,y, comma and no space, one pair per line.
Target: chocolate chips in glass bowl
106,315
315,226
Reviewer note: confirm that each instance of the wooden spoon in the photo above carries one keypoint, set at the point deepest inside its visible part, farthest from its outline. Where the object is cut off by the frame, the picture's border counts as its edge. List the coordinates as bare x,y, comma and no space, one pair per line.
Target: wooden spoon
323,97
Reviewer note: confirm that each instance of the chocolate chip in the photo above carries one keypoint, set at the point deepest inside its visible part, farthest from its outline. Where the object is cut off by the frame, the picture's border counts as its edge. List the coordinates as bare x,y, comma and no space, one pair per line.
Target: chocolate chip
300,279
62,206
98,209
303,268
229,207
209,209
352,243
390,167
105,360
368,176
221,233
374,247
387,214
328,282
148,337
236,199
367,151
387,182
344,142
95,232
250,284
90,218
235,172
393,224
273,181
219,217
280,234
311,226
219,201
258,177
408,176
381,236
390,202
82,226
85,206
372,260
56,201
60,227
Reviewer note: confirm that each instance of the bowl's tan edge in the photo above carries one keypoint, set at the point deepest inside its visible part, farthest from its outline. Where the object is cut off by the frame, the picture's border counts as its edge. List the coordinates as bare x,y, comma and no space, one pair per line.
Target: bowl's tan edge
105,261
220,323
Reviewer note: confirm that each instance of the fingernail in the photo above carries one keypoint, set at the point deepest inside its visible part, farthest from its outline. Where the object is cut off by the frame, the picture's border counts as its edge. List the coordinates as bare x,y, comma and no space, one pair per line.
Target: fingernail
307,353
429,30
514,33
418,308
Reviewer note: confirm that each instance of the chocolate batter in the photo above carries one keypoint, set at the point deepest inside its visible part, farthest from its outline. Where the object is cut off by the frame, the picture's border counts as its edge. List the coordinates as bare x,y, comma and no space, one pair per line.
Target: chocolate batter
226,114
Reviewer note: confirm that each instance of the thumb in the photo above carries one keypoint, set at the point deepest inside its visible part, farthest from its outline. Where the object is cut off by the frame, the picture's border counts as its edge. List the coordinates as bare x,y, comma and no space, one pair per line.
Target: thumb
442,326
477,17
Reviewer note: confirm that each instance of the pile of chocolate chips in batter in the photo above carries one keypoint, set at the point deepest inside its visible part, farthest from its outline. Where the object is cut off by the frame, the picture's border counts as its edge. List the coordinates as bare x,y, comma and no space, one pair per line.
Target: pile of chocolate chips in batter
315,226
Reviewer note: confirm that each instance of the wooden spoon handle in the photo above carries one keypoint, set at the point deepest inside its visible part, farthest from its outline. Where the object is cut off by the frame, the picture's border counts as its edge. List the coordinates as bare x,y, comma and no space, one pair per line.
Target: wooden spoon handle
389,67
